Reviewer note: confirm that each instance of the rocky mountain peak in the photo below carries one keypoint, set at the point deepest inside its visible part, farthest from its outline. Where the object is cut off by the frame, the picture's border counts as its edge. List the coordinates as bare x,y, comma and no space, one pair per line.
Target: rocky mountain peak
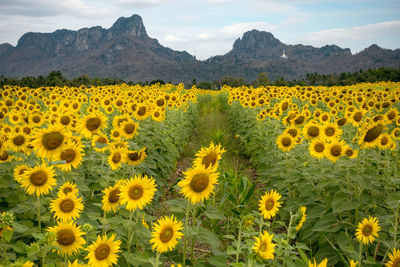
255,40
132,26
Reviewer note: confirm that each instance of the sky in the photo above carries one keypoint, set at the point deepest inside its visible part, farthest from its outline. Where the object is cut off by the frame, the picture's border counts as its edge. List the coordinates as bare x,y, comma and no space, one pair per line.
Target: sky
206,28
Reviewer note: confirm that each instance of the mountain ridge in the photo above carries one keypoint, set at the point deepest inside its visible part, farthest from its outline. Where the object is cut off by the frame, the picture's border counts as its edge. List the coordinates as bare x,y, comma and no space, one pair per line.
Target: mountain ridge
126,51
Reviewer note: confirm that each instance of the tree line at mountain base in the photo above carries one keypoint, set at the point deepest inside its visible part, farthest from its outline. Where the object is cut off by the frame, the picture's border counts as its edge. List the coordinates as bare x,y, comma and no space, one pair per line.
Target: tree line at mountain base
55,78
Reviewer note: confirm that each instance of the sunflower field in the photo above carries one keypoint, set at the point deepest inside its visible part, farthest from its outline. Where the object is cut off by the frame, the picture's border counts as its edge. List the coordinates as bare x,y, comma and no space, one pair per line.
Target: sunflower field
161,175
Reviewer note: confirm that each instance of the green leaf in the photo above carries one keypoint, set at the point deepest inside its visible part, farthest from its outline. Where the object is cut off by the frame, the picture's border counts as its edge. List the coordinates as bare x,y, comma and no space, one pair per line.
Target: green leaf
213,213
341,203
208,237
19,228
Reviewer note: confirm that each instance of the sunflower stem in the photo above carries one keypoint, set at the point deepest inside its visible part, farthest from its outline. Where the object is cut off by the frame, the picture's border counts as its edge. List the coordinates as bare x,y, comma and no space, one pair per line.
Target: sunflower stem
38,213
396,224
288,236
104,219
360,253
239,242
356,187
157,259
130,235
185,237
192,241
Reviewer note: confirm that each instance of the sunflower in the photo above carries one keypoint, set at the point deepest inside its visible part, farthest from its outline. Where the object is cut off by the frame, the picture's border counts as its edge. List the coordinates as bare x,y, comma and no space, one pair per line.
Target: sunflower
165,235
38,180
209,157
317,148
116,157
129,129
67,188
134,158
66,207
335,150
18,142
384,141
331,131
99,142
394,259
119,119
350,153
137,192
93,124
49,142
68,238
370,135
285,142
323,263
158,115
111,199
27,264
142,111
18,172
5,157
264,247
353,263
269,204
198,184
76,264
72,155
367,230
303,210
103,252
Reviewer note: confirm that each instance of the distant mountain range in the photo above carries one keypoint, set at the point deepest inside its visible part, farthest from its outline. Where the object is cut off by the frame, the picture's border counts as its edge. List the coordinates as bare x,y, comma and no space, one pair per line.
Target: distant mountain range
126,51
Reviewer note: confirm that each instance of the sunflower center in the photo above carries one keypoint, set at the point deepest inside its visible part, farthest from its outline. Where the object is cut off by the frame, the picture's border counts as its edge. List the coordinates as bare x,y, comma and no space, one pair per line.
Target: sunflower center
65,120
19,140
116,157
93,124
113,197
141,111
67,190
329,131
160,102
119,102
134,156
292,132
36,119
199,182
357,116
286,141
4,156
22,171
373,133
67,205
52,140
299,120
115,134
156,114
319,147
102,252
166,234
135,192
336,150
396,262
68,155
27,130
349,152
263,247
313,131
269,204
129,128
38,178
384,140
101,140
342,121
65,237
210,159
367,230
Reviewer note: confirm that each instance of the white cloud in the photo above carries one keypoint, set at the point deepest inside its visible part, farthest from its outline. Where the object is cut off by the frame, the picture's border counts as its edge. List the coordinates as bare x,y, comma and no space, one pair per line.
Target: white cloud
236,30
358,37
139,3
172,38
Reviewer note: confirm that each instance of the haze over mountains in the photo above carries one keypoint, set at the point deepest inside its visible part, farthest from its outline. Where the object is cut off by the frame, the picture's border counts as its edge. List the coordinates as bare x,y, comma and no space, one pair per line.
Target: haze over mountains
126,51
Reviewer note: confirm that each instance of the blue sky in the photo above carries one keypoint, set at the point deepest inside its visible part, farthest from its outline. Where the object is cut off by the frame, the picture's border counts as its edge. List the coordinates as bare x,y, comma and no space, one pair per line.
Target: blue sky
206,28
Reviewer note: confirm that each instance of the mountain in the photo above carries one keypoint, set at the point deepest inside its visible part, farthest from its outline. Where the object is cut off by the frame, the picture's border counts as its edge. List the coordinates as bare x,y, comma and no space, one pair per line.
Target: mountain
126,51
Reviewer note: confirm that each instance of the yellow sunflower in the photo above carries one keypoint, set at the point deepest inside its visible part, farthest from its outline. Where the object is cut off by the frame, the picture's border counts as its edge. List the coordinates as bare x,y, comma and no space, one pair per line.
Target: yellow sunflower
93,124
72,155
103,252
331,131
100,142
111,199
68,238
142,111
66,207
350,153
311,130
384,141
66,188
285,142
49,142
353,263
18,172
137,192
394,259
370,135
18,142
323,263
269,204
158,115
165,235
134,158
76,264
264,247
209,157
335,150
116,157
303,217
317,148
38,180
198,184
367,230
129,129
